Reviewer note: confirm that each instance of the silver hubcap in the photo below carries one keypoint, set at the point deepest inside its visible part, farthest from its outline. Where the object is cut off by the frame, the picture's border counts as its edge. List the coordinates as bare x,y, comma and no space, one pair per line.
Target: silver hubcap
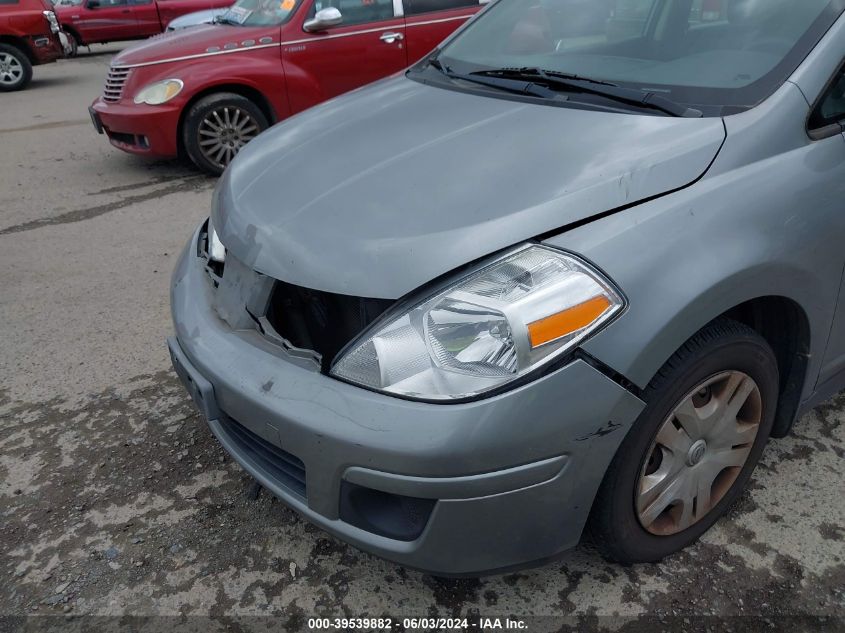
698,453
11,69
223,132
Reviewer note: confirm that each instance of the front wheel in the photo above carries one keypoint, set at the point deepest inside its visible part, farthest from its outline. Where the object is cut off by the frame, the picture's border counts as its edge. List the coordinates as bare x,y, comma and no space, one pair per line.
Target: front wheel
15,69
218,126
708,416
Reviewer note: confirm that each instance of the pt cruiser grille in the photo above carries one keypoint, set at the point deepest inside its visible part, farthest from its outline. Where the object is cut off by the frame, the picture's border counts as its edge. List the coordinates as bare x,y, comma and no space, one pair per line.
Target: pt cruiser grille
115,81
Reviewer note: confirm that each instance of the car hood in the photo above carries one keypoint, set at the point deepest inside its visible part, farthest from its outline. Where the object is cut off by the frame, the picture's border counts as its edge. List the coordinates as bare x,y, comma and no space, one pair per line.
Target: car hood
175,45
377,193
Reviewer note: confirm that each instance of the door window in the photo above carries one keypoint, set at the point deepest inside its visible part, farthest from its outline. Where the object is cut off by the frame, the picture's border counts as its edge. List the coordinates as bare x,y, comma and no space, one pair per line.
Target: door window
107,4
357,11
415,7
831,109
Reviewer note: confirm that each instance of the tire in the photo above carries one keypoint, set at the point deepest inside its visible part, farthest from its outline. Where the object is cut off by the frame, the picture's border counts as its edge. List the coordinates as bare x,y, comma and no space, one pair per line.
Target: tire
217,127
15,68
626,523
74,44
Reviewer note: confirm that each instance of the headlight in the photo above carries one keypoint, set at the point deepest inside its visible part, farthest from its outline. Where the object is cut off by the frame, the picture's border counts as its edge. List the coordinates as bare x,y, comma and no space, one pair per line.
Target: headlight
216,250
50,16
159,92
492,327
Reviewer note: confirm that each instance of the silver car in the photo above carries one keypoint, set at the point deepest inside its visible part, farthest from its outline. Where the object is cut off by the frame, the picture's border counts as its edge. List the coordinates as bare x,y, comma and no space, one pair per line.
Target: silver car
564,278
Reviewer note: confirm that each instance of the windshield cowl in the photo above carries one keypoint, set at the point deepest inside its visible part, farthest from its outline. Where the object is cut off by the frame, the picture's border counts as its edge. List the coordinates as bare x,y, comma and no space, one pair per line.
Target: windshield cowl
559,89
712,56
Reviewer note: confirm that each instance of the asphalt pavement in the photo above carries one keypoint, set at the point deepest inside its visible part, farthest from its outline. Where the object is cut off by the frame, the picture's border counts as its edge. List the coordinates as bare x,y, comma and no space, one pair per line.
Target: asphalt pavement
115,499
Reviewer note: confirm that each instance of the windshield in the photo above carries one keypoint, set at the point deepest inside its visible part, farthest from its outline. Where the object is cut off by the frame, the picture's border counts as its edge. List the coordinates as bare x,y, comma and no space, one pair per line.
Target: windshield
258,12
704,52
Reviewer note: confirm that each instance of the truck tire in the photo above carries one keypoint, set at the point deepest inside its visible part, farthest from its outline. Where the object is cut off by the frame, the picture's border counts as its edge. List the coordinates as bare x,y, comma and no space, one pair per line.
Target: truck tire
218,126
74,42
15,68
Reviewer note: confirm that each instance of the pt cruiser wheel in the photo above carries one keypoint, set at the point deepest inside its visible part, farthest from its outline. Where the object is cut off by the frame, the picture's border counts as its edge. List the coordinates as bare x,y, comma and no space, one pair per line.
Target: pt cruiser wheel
707,418
15,69
218,126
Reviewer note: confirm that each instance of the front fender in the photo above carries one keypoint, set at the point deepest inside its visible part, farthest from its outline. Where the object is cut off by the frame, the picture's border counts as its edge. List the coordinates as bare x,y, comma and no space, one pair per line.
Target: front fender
771,227
259,71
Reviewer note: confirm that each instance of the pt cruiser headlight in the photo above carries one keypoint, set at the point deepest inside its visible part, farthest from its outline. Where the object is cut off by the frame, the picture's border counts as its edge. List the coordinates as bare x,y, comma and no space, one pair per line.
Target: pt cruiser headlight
159,92
490,328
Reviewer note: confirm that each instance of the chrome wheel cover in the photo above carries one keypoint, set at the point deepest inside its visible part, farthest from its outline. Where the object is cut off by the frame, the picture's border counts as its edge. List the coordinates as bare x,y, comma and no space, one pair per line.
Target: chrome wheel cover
11,69
223,132
698,453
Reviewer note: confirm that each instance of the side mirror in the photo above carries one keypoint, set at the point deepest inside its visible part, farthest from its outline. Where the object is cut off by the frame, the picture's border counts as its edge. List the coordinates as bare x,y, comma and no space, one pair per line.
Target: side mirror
324,19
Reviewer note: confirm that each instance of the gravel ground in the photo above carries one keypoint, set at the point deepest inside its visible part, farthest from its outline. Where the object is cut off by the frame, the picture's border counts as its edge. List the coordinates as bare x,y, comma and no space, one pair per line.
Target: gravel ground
117,501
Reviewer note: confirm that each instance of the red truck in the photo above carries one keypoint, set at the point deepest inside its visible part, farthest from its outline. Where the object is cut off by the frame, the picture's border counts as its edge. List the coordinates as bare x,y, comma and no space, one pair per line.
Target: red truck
205,92
29,36
99,21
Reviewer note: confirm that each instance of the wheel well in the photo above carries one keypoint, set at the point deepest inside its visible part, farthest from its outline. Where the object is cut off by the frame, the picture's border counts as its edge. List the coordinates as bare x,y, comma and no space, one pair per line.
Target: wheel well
784,325
73,33
18,43
245,91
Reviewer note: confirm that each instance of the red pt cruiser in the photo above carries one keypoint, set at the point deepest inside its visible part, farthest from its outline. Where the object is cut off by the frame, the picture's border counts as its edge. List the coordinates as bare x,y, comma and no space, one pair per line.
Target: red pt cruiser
208,91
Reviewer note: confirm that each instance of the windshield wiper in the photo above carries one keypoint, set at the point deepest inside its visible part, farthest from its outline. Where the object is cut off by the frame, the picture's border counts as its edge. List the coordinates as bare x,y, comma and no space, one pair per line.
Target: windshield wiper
222,19
559,80
533,71
501,83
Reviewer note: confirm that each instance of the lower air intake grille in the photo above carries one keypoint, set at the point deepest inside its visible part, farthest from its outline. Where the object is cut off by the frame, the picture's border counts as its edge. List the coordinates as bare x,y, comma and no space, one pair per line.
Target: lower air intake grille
285,469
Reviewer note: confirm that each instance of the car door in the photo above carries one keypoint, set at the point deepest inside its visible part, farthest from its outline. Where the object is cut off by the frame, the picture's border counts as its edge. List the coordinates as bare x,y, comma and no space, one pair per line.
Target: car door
104,20
367,45
827,125
146,17
429,22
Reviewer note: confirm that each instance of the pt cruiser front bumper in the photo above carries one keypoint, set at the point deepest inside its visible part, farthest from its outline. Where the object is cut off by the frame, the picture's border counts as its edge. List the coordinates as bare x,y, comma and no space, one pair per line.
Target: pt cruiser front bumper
452,489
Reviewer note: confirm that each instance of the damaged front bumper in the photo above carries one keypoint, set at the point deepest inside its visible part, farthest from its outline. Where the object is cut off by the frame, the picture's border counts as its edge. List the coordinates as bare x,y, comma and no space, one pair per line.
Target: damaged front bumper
453,489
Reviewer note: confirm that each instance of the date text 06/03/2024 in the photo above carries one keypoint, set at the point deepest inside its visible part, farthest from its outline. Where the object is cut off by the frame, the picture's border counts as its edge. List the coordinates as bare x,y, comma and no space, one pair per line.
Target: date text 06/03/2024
412,624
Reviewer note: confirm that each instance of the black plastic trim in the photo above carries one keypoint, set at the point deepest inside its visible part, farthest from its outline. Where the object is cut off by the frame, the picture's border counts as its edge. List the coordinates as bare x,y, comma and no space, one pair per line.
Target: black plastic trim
287,470
387,514
830,129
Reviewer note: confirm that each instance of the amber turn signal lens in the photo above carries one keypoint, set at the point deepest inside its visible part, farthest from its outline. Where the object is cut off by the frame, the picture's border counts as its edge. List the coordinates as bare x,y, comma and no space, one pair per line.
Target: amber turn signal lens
566,322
